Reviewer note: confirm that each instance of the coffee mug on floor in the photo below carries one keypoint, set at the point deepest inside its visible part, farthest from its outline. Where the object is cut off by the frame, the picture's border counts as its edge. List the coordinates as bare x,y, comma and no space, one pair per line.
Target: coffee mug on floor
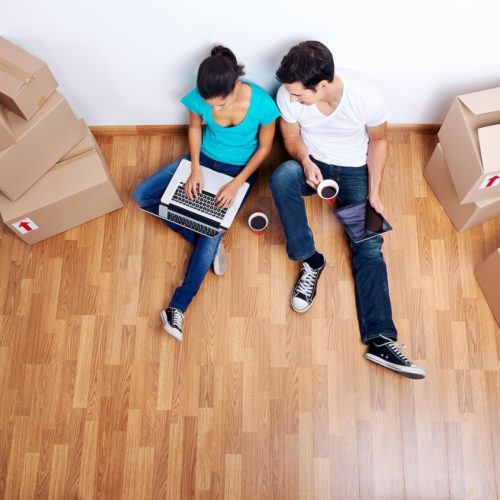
258,222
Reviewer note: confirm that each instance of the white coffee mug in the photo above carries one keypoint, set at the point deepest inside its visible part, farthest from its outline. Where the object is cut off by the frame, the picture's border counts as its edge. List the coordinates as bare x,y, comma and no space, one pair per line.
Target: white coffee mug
258,222
328,190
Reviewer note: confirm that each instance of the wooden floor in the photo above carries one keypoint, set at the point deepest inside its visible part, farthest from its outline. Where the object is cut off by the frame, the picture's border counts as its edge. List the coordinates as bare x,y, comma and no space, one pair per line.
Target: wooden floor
257,401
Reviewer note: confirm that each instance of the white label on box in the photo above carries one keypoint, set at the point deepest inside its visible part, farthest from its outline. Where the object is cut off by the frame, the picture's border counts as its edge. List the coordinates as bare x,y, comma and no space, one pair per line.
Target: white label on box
491,181
25,226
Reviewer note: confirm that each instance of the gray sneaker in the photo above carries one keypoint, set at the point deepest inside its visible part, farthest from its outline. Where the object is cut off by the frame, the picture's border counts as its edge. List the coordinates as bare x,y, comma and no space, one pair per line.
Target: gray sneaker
220,260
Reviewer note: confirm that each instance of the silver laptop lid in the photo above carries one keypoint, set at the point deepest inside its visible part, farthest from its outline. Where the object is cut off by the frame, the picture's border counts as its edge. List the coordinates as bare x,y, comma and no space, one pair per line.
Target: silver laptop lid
212,182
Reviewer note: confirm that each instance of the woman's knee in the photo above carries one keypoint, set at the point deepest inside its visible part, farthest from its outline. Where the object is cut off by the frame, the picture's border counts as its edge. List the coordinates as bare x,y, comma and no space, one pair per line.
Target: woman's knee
140,195
150,190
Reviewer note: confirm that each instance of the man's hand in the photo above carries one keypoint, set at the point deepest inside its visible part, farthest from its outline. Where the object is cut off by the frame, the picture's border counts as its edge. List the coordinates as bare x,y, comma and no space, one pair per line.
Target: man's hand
194,184
312,173
227,194
376,202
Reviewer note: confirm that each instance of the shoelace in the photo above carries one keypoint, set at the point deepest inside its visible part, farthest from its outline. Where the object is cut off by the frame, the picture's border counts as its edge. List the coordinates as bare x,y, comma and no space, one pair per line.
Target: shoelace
307,280
396,349
177,319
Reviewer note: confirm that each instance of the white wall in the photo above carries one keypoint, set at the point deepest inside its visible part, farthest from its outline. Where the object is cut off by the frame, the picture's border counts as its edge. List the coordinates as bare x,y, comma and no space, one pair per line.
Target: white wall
124,62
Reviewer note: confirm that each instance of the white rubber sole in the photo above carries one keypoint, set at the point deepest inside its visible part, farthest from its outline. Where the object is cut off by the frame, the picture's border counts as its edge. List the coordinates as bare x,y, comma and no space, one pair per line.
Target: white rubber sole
170,329
220,261
300,311
407,371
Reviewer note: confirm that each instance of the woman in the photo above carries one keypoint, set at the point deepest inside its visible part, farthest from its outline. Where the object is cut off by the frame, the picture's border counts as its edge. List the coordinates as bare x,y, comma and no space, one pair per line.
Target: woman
239,119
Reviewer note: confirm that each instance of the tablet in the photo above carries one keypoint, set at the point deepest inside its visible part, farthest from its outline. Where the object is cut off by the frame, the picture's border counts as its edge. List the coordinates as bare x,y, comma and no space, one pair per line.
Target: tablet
361,221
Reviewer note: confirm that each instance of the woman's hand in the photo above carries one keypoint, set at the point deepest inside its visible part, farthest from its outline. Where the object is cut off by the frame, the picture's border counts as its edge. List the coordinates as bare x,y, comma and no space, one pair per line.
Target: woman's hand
194,184
227,194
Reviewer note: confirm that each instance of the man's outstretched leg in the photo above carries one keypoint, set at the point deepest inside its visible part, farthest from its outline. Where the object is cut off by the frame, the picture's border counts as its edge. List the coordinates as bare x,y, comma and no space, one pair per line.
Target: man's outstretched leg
288,186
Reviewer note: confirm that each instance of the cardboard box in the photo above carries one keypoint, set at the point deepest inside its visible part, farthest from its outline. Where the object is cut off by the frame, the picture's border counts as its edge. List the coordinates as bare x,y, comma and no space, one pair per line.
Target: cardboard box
25,81
488,277
41,142
472,154
86,144
7,137
74,191
463,216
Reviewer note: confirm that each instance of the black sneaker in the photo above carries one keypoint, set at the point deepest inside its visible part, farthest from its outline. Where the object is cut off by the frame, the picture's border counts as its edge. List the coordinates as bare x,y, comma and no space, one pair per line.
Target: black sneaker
305,288
172,322
387,353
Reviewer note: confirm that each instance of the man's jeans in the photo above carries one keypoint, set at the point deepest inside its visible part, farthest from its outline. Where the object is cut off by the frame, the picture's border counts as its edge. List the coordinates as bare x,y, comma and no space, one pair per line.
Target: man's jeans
288,186
150,192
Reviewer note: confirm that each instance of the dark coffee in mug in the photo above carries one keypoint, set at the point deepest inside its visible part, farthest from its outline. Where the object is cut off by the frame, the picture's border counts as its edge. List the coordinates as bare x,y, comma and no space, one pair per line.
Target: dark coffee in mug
258,222
328,192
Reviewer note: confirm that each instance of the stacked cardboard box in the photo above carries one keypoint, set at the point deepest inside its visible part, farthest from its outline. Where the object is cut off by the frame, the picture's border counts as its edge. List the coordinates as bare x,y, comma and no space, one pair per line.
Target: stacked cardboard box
52,174
464,171
488,276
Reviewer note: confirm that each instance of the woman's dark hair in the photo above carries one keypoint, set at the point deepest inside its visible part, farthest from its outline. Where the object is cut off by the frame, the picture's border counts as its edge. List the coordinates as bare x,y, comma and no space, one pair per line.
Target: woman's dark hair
218,73
308,63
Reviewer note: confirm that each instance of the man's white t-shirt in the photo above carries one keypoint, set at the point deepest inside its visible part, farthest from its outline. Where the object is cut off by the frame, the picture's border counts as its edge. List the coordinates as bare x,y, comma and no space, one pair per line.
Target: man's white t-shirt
340,138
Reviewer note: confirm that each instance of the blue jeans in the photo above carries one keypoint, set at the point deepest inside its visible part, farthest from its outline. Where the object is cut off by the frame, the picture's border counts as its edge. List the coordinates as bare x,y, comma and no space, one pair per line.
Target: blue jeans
288,186
150,191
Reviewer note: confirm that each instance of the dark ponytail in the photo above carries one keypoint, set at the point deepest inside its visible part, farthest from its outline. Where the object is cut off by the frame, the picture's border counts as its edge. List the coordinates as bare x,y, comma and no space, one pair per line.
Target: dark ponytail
218,73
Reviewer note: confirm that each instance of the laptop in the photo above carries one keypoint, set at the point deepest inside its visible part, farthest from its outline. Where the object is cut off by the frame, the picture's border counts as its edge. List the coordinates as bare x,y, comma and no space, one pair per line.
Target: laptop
361,221
200,215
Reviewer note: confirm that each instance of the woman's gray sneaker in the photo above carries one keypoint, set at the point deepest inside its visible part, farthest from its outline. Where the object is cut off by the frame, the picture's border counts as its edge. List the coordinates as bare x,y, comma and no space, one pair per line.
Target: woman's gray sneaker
220,260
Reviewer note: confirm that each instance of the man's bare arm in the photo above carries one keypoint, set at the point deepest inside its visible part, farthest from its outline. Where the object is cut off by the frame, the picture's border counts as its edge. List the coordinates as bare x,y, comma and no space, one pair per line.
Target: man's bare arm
297,150
377,157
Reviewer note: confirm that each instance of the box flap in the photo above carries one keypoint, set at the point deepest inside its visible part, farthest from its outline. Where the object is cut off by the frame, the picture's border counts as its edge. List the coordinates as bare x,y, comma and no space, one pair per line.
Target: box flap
485,101
17,67
86,144
20,126
65,180
3,121
7,137
489,144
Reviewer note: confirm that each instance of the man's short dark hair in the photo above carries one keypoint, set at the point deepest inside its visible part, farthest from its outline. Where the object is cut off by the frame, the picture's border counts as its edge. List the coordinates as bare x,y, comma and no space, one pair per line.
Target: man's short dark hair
308,63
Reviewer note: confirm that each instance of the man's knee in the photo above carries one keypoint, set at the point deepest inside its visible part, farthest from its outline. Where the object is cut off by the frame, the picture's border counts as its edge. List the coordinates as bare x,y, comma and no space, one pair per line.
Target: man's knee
286,175
371,248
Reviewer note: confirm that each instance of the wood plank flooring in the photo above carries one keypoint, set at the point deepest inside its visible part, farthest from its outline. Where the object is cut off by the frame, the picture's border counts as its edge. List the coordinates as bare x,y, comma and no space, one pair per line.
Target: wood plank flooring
257,402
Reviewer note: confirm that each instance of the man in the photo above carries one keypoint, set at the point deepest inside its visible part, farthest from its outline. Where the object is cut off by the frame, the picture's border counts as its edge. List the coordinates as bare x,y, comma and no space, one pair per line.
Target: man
334,126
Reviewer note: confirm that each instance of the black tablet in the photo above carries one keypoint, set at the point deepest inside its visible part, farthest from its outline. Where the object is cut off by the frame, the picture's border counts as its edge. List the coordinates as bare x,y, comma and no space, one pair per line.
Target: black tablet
361,221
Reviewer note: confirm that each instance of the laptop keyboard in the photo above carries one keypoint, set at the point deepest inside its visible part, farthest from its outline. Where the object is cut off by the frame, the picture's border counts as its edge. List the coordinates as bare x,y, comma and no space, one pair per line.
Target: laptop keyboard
190,224
205,202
